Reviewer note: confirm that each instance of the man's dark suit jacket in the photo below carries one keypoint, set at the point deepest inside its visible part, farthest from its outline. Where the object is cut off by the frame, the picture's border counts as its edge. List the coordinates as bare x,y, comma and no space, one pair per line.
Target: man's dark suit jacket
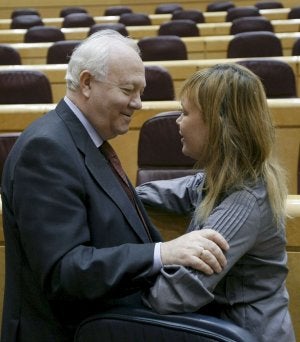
74,242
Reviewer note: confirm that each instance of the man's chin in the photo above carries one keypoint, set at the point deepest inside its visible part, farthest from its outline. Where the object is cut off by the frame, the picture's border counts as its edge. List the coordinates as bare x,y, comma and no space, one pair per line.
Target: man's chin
123,130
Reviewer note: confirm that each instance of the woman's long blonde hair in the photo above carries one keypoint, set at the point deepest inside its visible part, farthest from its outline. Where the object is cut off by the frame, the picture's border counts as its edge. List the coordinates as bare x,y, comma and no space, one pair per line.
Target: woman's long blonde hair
240,148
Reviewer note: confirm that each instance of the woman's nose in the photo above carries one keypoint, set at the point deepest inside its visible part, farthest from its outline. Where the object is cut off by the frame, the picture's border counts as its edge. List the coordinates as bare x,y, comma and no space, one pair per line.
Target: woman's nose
178,120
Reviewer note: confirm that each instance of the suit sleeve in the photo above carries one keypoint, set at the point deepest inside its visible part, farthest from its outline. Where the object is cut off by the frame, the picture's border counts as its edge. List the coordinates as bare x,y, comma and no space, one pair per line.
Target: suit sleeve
50,205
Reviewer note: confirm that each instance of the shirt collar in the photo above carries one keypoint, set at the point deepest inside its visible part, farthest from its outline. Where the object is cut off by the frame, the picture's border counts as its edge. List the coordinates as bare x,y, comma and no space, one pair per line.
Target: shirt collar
86,124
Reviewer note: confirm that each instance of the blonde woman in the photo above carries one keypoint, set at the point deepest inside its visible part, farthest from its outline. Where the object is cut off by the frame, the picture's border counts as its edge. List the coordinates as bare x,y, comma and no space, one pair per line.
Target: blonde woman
226,126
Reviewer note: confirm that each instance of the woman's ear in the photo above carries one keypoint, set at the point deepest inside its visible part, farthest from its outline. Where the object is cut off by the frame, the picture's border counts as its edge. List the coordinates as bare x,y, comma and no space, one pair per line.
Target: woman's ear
85,83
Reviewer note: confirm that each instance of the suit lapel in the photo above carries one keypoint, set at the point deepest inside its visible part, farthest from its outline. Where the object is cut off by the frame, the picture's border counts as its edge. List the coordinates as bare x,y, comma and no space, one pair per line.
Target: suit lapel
99,168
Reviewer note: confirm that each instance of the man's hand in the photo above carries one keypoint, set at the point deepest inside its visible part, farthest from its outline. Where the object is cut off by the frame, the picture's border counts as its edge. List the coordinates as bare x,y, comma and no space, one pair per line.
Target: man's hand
199,249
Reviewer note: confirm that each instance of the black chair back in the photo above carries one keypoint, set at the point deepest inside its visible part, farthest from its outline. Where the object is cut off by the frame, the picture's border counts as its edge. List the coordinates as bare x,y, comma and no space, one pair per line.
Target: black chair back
160,150
159,84
254,44
268,4
24,87
135,19
9,55
38,34
277,77
167,8
248,24
26,21
71,9
219,6
243,11
194,15
78,20
61,51
141,324
121,28
179,27
161,48
117,10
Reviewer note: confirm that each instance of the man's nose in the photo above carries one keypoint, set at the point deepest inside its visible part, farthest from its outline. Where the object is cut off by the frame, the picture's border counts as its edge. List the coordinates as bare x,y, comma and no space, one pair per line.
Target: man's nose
136,102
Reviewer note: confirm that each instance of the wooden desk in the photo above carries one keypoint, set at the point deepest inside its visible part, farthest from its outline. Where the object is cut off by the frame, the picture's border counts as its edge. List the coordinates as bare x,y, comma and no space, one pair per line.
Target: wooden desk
137,32
209,47
285,112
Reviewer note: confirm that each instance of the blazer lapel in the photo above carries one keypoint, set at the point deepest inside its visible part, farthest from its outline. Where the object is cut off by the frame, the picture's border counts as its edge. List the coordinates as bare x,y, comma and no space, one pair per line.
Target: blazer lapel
101,171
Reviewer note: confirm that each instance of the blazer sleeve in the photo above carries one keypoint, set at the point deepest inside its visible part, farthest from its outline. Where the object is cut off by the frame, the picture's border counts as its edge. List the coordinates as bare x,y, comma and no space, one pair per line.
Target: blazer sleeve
179,195
50,206
179,289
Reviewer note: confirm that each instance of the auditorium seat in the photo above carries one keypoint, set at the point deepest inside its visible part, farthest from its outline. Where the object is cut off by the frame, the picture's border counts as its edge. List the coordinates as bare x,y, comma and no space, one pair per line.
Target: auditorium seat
70,10
159,84
160,150
179,27
7,141
243,11
117,10
248,24
24,11
194,15
254,44
38,34
268,4
26,21
167,8
78,20
219,6
24,87
160,48
277,77
135,19
61,51
9,55
142,324
296,48
294,13
121,28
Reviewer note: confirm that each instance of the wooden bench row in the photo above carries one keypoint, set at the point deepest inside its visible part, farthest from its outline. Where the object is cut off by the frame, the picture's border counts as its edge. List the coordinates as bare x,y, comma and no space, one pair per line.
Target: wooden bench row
285,113
137,32
179,71
52,18
171,226
209,47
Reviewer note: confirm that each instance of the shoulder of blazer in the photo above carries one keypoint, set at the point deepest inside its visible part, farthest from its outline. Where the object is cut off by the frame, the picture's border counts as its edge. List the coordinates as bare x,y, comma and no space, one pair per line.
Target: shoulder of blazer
79,134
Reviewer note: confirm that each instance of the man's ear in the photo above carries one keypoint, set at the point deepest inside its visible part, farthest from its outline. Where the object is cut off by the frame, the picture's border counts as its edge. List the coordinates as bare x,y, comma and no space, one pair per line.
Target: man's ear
85,83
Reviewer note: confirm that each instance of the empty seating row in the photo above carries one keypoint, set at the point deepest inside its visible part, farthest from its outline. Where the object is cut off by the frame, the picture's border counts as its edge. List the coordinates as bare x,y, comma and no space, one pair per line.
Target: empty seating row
155,19
280,76
29,85
160,9
246,44
136,19
181,28
285,112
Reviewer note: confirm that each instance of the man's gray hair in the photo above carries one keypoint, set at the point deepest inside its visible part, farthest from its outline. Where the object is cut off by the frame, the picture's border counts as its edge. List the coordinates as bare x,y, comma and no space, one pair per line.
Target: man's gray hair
93,55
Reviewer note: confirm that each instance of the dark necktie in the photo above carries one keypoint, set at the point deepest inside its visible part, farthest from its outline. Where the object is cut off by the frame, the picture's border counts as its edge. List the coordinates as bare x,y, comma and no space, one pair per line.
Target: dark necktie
112,158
